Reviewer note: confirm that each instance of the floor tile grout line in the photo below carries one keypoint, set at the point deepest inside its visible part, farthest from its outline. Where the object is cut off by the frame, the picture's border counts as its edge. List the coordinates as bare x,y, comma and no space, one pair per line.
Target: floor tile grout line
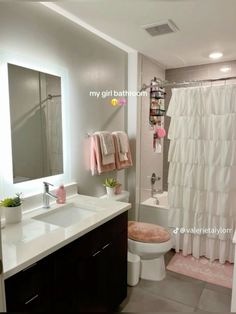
168,299
200,297
201,284
199,281
173,300
192,279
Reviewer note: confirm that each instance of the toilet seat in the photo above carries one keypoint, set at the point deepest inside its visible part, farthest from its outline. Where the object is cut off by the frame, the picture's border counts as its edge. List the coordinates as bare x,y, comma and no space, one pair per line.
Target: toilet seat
147,233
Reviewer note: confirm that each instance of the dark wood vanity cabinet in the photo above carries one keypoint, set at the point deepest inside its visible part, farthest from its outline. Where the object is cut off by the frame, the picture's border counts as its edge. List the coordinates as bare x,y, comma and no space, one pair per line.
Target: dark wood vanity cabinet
30,290
87,275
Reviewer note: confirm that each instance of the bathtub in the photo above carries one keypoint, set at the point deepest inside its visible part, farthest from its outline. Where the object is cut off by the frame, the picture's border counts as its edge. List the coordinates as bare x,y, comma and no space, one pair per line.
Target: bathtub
150,211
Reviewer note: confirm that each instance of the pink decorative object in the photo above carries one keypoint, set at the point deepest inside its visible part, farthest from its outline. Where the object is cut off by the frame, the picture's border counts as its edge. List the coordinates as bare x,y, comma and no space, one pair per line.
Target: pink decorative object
145,232
122,101
118,188
202,269
161,132
61,194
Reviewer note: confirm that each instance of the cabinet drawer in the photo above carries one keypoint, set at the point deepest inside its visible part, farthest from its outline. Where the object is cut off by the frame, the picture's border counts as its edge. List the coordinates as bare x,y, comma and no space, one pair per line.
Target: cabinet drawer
29,289
97,239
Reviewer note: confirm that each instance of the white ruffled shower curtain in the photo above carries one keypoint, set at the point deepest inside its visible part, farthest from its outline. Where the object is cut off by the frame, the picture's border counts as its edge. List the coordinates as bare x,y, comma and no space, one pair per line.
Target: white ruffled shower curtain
202,169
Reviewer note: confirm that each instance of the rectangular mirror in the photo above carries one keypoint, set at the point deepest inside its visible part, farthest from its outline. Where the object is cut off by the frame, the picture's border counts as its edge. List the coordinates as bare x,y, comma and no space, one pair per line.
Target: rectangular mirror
36,123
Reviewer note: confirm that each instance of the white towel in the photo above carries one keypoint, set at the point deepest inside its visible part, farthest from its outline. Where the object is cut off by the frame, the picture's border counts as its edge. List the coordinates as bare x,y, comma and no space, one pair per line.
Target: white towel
107,160
107,147
107,144
122,145
124,142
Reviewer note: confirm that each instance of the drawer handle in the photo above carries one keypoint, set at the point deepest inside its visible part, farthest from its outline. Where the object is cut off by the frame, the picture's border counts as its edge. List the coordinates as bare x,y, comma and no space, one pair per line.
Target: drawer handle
105,246
32,299
96,253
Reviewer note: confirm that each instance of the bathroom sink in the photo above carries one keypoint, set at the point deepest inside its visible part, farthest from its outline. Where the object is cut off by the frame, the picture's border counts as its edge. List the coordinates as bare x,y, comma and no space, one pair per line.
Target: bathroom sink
65,216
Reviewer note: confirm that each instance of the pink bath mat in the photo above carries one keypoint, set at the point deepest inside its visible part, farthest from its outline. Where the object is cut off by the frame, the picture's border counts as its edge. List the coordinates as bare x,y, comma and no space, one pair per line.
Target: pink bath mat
202,269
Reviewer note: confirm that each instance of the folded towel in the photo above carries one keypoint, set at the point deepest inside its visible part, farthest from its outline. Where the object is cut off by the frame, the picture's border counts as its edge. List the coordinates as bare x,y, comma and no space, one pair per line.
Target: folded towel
121,163
122,145
96,164
107,147
107,160
107,143
124,142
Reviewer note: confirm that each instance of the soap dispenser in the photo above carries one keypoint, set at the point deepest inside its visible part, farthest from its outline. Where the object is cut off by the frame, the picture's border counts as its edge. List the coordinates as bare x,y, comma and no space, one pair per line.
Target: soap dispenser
61,194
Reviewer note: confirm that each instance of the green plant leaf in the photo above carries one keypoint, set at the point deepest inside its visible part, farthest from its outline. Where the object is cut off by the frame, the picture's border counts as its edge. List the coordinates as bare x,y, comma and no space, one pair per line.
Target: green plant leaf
110,182
11,201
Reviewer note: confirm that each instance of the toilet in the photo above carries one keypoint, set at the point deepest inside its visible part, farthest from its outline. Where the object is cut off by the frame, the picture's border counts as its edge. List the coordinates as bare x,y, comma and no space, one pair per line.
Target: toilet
149,242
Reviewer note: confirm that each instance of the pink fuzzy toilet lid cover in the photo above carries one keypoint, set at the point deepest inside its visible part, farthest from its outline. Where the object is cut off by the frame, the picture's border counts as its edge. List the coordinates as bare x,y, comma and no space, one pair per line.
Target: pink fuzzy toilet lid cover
145,232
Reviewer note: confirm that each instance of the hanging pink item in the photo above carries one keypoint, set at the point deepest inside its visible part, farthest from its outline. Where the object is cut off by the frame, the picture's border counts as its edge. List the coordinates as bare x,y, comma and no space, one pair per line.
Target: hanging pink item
161,132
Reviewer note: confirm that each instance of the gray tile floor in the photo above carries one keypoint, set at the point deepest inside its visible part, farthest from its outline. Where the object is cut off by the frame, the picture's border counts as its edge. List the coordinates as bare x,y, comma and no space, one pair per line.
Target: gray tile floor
176,293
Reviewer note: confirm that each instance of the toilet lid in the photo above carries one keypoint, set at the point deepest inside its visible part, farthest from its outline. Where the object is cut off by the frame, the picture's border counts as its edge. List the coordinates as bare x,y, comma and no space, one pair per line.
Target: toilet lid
145,232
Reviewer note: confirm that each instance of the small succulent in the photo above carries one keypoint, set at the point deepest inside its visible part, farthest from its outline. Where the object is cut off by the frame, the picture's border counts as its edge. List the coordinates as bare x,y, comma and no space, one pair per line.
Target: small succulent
110,182
12,201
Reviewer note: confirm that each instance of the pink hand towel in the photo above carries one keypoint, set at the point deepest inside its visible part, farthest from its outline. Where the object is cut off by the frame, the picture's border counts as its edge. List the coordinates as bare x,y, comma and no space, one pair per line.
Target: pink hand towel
121,164
96,165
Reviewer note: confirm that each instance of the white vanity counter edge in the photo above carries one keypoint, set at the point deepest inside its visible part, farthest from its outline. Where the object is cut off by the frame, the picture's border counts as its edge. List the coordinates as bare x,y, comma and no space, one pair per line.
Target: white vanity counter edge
25,243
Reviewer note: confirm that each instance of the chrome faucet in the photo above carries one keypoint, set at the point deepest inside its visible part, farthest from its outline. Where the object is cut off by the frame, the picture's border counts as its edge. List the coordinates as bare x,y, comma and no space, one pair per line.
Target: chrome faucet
47,195
154,178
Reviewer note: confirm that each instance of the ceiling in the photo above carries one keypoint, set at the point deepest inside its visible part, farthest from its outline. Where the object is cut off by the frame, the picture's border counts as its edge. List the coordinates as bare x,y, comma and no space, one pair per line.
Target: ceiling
204,26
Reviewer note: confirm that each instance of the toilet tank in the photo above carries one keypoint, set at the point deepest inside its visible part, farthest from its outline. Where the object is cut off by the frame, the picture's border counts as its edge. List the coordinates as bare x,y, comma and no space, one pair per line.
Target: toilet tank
122,197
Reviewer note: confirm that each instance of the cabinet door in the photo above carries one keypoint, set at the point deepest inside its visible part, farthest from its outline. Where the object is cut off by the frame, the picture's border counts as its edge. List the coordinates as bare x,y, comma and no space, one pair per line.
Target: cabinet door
70,262
95,277
118,285
82,277
30,289
91,273
104,274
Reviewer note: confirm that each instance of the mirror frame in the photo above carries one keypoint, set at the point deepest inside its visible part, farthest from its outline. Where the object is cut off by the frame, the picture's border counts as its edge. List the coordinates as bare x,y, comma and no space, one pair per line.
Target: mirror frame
7,187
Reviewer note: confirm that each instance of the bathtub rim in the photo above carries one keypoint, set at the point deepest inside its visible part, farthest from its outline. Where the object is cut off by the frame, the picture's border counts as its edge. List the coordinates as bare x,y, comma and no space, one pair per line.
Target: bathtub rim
150,201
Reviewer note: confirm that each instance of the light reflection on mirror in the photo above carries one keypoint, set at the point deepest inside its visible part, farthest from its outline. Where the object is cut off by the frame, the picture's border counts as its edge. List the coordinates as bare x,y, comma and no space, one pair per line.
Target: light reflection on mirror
36,123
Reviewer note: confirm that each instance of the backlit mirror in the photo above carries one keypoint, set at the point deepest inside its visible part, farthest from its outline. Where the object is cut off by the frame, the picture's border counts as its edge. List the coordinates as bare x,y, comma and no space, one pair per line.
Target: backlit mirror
36,123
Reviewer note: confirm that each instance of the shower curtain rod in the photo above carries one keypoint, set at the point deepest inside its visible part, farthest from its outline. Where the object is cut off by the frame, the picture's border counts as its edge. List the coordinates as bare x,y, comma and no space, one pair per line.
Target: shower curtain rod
162,83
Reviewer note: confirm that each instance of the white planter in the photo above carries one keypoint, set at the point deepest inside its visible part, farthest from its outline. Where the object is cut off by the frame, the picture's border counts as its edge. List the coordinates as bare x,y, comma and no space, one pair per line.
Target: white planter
110,191
13,215
2,217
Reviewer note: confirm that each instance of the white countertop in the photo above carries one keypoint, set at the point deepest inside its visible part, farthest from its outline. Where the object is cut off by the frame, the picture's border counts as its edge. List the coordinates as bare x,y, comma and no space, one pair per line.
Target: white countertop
29,241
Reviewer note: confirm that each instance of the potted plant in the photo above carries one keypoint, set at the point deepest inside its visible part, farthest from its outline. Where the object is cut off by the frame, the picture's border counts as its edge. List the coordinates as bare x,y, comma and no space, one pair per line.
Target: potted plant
12,206
110,185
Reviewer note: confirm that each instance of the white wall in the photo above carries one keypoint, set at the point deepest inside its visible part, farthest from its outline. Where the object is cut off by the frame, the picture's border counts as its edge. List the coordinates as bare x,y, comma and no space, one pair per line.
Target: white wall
133,111
149,161
32,31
